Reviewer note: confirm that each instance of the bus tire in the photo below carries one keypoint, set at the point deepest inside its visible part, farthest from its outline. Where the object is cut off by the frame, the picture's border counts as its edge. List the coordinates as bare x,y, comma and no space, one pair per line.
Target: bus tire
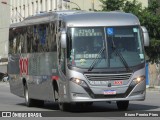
122,105
89,103
84,104
39,103
64,106
29,102
56,96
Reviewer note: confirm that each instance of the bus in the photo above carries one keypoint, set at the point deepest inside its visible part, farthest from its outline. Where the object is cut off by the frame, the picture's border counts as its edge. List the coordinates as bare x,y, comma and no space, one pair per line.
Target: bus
78,57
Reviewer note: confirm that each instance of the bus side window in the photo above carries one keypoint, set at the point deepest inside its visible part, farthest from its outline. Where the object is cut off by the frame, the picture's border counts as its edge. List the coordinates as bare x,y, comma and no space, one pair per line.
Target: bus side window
11,38
35,40
52,42
62,61
28,37
61,57
14,40
42,37
23,40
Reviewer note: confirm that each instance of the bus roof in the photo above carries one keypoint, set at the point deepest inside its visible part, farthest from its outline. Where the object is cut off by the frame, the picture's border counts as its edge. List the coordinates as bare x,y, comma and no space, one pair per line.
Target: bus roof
101,19
82,18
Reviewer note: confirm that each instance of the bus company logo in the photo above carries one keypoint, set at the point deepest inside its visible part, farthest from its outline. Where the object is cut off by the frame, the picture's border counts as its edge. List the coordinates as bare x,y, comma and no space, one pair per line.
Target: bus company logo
118,82
23,65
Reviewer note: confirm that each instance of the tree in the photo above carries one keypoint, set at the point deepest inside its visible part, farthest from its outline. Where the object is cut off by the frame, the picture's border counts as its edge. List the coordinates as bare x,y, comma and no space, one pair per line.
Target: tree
133,7
148,17
112,5
151,19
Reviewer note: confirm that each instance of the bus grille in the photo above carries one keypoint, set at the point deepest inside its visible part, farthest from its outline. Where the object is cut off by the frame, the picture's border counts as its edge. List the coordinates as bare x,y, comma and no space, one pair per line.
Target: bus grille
108,77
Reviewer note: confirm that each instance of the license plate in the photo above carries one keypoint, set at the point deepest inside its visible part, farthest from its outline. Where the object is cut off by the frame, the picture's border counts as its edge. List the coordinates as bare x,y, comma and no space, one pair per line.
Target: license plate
109,92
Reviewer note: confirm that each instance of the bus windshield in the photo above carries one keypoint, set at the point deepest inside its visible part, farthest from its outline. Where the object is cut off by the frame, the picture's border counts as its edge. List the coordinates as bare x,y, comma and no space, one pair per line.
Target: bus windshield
122,46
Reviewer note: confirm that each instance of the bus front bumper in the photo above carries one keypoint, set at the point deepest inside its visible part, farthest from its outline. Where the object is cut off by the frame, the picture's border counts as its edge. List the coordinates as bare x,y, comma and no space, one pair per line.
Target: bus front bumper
130,93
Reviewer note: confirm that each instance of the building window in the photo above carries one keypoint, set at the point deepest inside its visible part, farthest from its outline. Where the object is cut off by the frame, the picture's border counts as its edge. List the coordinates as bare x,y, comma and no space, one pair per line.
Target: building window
37,7
20,13
16,14
46,7
32,8
41,7
51,5
24,11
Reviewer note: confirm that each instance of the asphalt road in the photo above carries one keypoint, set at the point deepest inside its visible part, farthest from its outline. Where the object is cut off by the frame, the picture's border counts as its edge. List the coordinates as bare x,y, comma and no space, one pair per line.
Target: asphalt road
10,102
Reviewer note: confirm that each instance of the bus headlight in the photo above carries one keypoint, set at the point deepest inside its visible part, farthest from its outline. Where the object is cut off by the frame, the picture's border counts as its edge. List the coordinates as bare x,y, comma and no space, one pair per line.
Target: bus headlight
78,81
138,79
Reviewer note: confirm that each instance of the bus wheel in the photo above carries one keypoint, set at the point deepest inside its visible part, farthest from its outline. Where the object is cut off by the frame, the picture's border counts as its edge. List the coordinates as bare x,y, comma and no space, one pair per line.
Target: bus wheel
39,103
64,106
89,103
28,101
84,104
122,105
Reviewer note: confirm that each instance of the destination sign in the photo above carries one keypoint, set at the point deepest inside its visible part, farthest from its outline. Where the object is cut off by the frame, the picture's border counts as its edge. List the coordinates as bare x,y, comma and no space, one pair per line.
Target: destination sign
87,32
89,56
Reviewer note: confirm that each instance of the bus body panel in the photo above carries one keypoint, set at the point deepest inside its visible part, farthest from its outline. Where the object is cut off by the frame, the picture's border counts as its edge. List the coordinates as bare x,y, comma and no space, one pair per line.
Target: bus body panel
38,78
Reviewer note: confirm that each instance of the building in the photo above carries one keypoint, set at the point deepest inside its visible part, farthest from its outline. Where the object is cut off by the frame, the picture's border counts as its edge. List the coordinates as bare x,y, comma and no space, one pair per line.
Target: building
4,25
86,4
20,9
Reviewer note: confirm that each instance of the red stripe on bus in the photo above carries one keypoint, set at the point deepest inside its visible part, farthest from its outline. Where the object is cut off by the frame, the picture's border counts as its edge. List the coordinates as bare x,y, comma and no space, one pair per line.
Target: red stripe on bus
55,77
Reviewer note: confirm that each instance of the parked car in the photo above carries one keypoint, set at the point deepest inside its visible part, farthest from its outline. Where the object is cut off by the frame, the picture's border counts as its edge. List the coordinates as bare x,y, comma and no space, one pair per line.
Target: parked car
1,76
5,79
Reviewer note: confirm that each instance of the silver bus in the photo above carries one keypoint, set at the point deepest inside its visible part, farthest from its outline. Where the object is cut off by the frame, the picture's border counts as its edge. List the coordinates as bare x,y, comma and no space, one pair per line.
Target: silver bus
78,57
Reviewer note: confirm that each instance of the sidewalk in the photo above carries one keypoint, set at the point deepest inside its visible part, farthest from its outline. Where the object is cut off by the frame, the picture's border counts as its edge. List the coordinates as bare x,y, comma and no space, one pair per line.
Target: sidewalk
2,83
155,88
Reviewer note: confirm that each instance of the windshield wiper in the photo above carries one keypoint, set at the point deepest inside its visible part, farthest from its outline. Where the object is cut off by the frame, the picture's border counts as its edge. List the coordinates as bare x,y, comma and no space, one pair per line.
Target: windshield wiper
120,56
96,59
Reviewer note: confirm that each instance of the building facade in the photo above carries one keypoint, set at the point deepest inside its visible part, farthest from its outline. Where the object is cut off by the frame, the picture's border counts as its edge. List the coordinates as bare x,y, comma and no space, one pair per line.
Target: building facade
20,9
4,25
86,4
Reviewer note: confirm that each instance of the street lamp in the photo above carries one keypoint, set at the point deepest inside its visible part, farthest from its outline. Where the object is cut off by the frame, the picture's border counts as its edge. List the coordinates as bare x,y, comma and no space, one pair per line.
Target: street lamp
72,3
5,3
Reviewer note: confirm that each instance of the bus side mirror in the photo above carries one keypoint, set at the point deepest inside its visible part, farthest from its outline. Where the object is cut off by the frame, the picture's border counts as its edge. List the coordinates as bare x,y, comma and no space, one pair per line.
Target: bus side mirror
145,36
63,39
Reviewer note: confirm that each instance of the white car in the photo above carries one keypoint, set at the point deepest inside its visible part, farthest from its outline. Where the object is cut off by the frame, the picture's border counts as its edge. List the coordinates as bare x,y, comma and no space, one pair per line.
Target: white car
5,79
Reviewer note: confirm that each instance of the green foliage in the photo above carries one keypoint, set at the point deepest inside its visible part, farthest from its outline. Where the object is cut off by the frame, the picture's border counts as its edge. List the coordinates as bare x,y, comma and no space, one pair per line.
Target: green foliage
133,7
153,6
112,5
153,51
148,18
